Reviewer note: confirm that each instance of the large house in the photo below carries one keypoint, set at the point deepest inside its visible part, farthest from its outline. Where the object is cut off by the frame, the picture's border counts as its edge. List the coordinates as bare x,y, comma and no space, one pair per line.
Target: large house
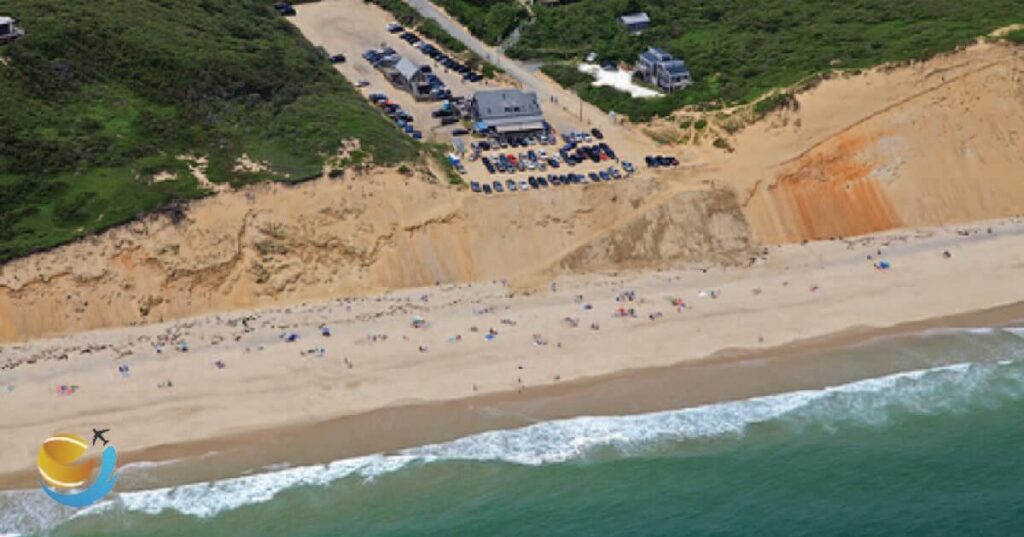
506,111
411,77
659,68
635,22
8,30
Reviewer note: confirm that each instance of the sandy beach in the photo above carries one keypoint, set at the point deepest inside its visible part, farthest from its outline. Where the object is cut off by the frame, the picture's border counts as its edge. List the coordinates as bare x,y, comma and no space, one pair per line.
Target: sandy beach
236,374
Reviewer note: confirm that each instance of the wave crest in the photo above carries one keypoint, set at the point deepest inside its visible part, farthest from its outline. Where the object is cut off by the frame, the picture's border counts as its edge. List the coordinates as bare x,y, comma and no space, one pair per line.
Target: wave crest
870,402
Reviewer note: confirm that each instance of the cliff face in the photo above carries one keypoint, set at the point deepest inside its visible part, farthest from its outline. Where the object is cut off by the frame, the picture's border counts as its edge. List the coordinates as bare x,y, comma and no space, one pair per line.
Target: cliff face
928,144
943,144
276,244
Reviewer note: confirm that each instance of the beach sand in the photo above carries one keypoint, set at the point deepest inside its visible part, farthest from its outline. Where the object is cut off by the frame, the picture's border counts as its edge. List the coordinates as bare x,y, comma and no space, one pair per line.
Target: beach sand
240,377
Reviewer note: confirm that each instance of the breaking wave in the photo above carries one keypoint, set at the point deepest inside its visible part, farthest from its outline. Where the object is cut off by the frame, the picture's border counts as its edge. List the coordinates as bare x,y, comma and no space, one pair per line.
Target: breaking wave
866,403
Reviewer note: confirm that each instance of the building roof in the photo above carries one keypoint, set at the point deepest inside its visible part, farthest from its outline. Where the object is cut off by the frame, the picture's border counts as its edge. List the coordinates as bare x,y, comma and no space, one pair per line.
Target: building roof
656,55
406,68
675,67
495,106
635,18
6,20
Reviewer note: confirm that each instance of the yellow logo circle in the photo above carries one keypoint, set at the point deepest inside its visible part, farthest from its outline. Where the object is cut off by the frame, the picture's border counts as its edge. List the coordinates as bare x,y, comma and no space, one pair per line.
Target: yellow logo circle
57,461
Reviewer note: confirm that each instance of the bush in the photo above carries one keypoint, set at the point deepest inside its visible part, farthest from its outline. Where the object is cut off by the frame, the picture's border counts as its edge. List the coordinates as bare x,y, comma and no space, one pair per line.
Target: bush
774,102
739,50
700,124
1015,36
104,95
490,20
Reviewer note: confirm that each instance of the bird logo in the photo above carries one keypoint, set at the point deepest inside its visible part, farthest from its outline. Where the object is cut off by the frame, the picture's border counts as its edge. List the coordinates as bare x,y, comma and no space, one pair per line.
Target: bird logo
63,470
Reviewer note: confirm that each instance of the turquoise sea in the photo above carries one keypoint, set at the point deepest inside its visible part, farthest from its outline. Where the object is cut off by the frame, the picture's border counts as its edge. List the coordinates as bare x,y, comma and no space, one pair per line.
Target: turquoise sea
933,449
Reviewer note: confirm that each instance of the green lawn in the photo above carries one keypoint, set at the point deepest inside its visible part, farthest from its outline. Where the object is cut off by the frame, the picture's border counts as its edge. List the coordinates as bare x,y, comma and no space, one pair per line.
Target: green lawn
738,50
100,96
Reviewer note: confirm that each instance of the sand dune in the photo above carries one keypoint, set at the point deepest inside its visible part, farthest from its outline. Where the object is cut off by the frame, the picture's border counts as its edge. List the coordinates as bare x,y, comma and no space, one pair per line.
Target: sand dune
932,143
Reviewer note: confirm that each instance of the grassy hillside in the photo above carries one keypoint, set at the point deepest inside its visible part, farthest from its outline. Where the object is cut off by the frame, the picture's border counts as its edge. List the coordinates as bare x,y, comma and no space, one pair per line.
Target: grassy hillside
490,20
101,96
739,49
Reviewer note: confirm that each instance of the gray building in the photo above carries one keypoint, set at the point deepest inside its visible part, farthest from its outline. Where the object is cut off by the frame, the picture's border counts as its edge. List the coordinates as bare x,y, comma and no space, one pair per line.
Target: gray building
635,22
407,75
659,68
8,30
506,111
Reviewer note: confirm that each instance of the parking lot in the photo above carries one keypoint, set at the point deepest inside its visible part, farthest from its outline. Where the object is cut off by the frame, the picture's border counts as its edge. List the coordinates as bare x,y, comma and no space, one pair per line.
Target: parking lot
350,28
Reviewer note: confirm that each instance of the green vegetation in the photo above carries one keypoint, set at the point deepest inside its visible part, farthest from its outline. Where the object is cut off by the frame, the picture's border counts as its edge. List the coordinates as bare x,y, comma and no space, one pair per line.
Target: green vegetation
490,20
1015,36
102,96
405,14
738,50
775,101
431,29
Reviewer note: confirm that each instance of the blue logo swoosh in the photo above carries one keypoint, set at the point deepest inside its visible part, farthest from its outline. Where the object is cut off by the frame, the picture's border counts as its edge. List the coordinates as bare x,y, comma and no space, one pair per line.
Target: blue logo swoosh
104,483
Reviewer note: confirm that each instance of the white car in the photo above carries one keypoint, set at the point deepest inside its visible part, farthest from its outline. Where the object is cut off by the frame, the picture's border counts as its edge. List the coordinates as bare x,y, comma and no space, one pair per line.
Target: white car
524,186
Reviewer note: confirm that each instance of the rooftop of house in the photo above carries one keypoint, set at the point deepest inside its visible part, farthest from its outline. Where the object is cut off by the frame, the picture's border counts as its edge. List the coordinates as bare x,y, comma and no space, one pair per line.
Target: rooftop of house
635,18
6,20
656,55
493,104
675,67
406,68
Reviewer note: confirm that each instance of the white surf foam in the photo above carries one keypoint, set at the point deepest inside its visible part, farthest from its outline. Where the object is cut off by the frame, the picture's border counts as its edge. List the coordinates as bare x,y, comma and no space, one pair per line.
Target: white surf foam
866,402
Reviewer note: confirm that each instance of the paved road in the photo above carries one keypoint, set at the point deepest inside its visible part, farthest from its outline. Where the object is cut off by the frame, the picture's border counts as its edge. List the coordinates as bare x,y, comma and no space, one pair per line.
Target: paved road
526,76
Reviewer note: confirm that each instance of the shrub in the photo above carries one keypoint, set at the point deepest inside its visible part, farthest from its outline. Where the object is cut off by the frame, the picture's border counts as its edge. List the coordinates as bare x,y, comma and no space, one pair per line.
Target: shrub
1015,36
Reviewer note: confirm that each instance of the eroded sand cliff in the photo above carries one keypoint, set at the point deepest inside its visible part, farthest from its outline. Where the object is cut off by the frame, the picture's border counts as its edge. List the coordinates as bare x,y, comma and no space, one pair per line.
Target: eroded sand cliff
928,144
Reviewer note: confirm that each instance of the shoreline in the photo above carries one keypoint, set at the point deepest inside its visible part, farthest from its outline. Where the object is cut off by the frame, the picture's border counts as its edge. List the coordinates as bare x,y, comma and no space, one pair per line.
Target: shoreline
273,402
443,421
614,394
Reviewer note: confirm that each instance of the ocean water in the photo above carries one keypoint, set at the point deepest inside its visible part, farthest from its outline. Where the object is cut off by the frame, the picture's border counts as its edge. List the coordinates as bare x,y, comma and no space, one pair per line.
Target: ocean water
934,449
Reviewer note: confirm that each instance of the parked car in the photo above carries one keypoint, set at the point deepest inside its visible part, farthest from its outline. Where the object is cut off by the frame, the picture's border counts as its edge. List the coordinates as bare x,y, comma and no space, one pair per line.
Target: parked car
533,182
498,187
523,185
594,178
474,186
488,165
338,58
597,133
628,166
394,28
608,151
487,188
460,132
511,184
605,176
284,9
615,172
542,182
